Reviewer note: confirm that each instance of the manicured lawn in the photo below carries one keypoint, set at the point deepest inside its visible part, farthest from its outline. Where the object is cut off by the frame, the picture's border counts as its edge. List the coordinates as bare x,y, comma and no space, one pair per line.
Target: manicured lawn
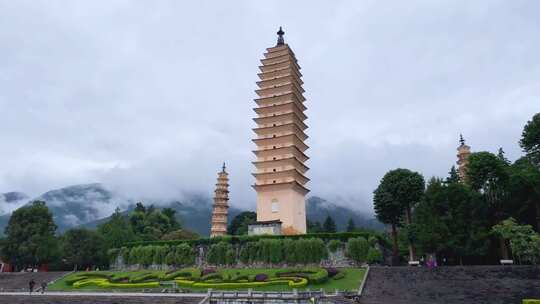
351,281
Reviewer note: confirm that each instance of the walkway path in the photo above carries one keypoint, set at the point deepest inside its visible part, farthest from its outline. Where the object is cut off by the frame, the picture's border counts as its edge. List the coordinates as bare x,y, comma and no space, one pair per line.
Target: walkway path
99,297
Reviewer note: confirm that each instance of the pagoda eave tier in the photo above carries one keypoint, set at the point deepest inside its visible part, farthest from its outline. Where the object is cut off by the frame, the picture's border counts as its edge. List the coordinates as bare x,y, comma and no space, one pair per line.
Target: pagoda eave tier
281,186
283,88
281,140
277,57
286,109
279,53
281,98
279,65
284,174
289,161
292,150
286,70
280,80
289,107
283,128
291,116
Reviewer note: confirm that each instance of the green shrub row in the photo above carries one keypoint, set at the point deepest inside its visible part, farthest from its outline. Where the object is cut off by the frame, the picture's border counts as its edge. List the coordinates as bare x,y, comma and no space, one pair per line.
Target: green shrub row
106,284
340,236
300,251
265,250
181,255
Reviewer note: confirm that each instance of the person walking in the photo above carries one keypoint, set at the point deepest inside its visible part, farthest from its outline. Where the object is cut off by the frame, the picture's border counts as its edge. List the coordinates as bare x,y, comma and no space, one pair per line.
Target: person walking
43,287
31,285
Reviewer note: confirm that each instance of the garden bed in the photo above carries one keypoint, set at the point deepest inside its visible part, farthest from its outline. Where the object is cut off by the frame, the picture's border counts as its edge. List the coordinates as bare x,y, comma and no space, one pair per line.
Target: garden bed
193,279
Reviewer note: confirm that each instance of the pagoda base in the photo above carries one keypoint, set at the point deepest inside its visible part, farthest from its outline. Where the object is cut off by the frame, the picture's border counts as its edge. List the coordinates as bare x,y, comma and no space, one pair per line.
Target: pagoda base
265,228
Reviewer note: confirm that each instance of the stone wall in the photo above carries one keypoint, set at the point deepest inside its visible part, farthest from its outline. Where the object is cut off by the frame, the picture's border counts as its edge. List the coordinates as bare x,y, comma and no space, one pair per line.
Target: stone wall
335,259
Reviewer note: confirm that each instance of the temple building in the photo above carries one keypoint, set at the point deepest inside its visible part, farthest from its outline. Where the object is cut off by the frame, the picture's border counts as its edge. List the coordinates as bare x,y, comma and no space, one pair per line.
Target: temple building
463,155
221,205
280,170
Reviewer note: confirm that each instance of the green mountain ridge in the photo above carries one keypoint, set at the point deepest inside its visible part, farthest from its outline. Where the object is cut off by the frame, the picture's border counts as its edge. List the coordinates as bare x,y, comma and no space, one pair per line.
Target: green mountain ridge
89,205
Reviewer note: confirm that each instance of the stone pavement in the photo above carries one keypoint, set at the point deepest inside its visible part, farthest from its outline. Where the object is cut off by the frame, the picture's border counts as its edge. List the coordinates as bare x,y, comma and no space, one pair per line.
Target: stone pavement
99,298
451,285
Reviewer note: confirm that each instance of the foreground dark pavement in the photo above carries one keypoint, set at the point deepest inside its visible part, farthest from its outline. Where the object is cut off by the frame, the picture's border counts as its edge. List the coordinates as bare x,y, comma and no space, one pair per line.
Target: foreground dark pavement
95,299
451,285
18,281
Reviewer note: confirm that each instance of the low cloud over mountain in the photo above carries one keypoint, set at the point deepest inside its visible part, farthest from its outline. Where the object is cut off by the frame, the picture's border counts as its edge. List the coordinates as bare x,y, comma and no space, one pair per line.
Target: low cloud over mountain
90,204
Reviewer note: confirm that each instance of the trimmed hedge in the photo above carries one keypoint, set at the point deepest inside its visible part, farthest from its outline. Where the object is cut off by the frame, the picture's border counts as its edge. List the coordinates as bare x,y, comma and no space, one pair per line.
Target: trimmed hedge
301,282
314,275
341,236
106,284
531,301
193,273
339,276
144,277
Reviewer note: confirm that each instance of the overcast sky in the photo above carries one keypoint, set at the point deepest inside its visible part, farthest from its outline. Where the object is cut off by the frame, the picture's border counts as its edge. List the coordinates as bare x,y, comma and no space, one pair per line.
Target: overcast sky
150,97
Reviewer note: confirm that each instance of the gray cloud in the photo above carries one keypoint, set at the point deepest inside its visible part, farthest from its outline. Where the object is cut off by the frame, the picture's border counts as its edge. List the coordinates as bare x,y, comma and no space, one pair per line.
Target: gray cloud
150,97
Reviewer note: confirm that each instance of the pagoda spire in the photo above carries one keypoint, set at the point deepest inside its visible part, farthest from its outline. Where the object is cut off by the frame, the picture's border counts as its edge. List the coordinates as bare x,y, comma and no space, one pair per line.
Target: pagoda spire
463,158
221,205
280,40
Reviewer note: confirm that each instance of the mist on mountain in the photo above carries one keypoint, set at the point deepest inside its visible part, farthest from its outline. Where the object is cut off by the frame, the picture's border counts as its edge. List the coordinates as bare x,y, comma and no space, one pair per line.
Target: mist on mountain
88,205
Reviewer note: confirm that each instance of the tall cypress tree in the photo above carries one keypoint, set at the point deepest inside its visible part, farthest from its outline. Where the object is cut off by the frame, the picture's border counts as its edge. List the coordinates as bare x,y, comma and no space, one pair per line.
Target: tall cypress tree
351,226
329,225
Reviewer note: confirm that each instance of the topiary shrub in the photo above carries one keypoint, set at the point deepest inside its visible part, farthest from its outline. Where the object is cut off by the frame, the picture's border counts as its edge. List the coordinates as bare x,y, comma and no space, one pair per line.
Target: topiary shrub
334,245
212,276
332,272
339,276
207,271
261,277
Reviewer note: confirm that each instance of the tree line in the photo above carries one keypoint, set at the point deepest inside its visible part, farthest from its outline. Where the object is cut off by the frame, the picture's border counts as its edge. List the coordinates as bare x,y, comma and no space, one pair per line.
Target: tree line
31,237
475,219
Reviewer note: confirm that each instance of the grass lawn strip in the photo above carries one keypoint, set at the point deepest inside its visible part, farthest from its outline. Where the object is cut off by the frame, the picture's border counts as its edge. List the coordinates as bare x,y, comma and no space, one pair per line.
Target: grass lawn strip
190,279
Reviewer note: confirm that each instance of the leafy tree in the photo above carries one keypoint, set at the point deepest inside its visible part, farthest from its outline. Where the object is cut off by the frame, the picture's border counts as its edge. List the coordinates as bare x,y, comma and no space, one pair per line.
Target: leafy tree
489,175
502,157
530,140
150,224
524,242
451,220
314,227
374,256
239,224
170,213
30,236
453,176
117,230
525,192
219,254
185,255
399,191
350,225
334,245
170,258
357,249
329,225
83,248
180,234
